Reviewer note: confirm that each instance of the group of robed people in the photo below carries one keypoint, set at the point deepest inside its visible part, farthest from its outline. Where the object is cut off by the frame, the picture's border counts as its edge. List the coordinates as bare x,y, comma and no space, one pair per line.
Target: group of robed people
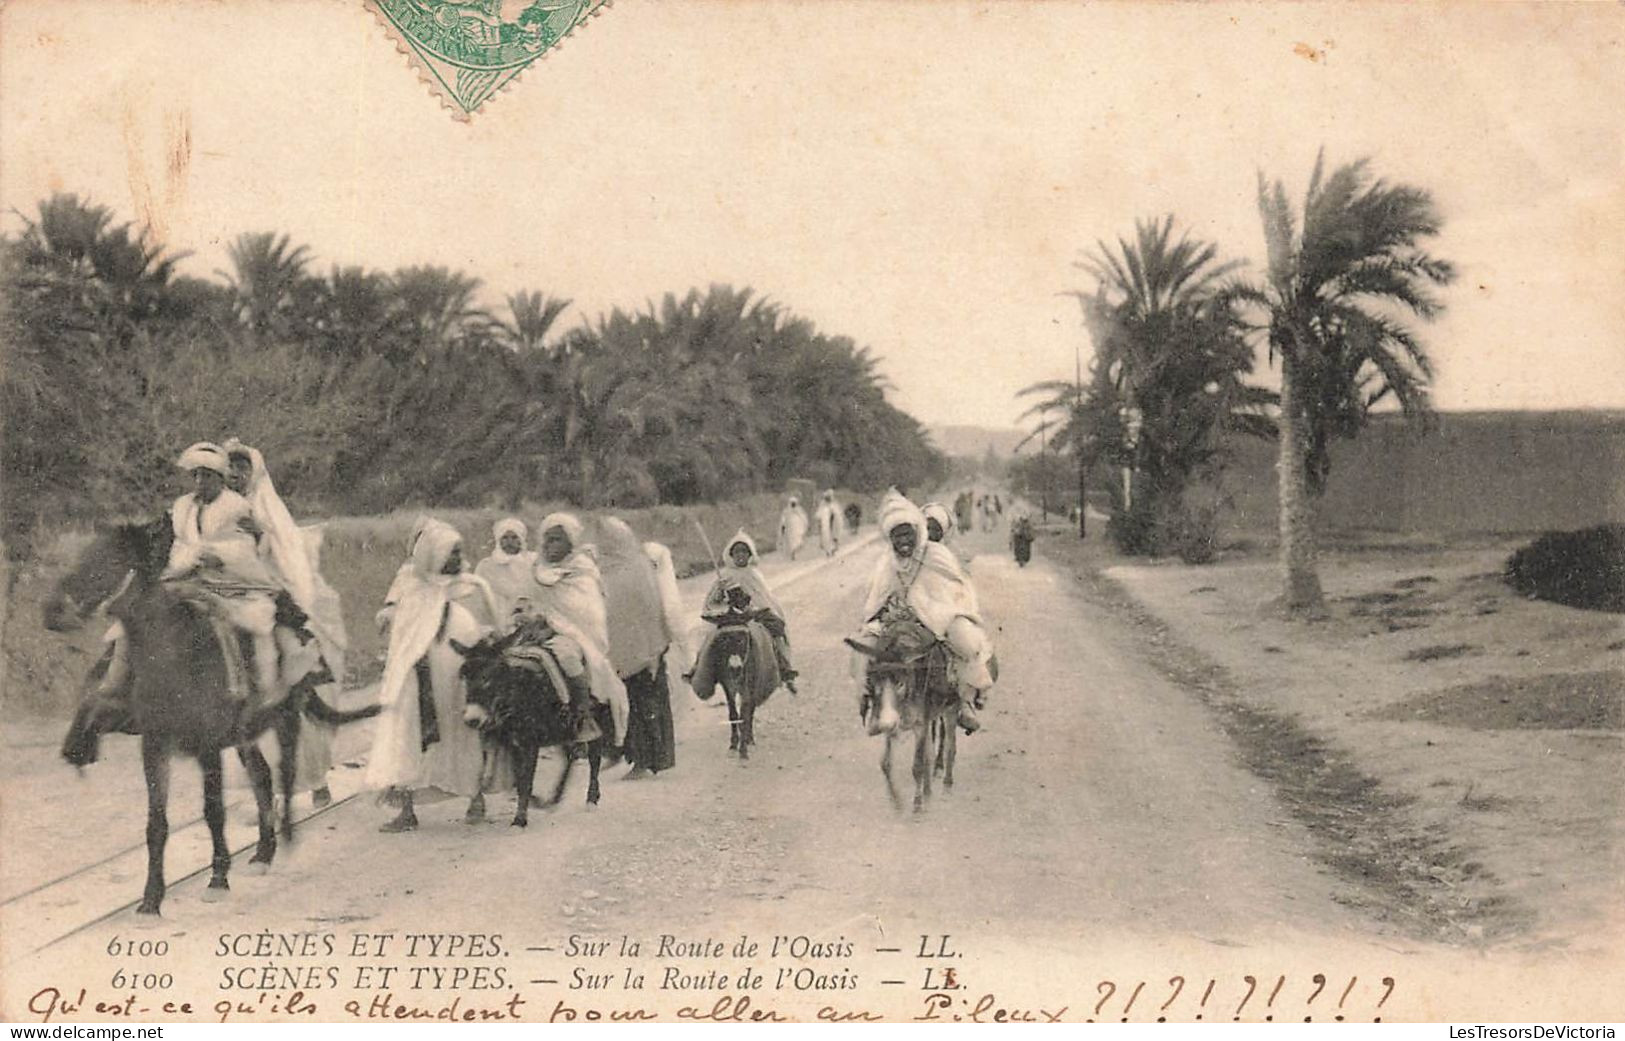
608,614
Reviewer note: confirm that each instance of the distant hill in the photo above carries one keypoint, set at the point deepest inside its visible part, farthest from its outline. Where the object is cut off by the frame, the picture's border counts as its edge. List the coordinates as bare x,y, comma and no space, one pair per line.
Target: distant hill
973,441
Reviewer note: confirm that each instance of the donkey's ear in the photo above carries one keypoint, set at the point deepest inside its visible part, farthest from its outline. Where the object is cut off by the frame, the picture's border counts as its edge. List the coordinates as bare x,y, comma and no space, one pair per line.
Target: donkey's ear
461,649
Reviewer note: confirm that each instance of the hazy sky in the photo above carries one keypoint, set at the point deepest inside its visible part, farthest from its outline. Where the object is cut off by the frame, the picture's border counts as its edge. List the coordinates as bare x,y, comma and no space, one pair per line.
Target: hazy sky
919,176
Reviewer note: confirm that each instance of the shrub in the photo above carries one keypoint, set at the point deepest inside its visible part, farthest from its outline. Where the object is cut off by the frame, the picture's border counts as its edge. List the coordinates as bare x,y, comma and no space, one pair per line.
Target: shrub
1583,568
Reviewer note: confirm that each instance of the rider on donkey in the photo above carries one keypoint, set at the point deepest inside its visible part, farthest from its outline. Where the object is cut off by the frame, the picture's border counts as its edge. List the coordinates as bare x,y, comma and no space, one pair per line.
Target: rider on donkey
569,609
741,587
213,528
927,577
215,549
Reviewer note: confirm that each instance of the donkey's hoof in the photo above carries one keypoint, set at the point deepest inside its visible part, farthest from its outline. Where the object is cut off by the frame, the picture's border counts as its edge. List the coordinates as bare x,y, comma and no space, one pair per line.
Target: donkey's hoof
149,908
519,822
214,894
259,867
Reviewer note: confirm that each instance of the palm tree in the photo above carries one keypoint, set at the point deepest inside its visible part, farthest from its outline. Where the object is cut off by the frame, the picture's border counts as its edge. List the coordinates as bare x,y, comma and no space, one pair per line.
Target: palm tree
436,303
532,316
266,274
1169,358
1335,298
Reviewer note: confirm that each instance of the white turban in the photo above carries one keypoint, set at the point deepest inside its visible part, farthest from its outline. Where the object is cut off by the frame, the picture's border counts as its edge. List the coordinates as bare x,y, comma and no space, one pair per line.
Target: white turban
509,526
434,545
742,539
569,523
896,510
205,455
939,513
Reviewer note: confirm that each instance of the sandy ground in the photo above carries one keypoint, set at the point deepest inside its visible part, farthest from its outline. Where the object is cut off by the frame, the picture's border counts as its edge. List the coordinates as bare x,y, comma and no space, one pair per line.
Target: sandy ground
1104,832
1494,719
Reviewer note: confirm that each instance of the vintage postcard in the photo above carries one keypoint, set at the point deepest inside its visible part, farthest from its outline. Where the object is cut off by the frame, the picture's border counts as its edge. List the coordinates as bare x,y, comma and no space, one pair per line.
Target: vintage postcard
769,510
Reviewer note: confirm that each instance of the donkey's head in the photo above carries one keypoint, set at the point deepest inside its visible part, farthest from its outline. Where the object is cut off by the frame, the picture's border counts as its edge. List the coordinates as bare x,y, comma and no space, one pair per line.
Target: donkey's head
486,676
116,557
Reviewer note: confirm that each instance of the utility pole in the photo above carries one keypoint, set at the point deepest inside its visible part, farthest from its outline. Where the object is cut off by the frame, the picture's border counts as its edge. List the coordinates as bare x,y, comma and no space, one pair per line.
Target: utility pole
1080,430
1043,468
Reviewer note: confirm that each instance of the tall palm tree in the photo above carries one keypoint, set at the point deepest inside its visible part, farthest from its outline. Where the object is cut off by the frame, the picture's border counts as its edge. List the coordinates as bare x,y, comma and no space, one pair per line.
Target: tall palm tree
1335,297
436,303
266,274
532,316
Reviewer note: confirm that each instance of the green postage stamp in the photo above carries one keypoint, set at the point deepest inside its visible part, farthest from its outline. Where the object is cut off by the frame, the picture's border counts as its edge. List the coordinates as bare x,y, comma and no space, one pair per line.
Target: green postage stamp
466,52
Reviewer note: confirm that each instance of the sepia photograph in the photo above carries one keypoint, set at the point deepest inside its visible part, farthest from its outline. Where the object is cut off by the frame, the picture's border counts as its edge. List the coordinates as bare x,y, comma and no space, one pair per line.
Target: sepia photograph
769,511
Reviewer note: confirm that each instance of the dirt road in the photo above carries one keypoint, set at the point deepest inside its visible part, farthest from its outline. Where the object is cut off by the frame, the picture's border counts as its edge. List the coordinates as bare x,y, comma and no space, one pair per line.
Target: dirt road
1102,829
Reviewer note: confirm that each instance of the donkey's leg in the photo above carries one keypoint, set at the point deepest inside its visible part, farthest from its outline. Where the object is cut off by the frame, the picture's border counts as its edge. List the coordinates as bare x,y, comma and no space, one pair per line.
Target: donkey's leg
214,814
923,755
524,777
950,748
733,716
259,775
475,814
885,768
287,740
155,765
564,776
594,758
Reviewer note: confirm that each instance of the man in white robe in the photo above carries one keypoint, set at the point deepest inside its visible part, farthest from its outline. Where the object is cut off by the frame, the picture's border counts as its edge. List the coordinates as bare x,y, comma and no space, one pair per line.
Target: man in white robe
215,546
646,624
792,527
927,576
509,570
421,741
829,523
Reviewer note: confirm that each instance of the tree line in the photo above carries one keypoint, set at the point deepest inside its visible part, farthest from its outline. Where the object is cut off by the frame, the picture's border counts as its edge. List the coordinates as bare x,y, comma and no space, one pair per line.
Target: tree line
370,390
1177,329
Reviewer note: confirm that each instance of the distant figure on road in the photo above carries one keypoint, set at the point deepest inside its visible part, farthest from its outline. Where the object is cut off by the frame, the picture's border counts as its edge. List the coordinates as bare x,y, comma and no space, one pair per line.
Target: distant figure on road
962,511
1021,538
829,523
854,517
792,527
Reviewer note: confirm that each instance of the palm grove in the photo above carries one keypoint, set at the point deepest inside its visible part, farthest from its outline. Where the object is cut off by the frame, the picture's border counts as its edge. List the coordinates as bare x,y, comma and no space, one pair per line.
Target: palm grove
1176,331
371,390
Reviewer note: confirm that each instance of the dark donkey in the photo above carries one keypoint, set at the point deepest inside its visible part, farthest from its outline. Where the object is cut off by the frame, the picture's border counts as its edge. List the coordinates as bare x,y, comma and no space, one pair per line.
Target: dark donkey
739,657
179,699
514,702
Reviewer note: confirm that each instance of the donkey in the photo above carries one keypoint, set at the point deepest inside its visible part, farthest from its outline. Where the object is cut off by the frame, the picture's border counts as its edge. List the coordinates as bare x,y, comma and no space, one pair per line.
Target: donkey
739,657
180,700
910,689
514,701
